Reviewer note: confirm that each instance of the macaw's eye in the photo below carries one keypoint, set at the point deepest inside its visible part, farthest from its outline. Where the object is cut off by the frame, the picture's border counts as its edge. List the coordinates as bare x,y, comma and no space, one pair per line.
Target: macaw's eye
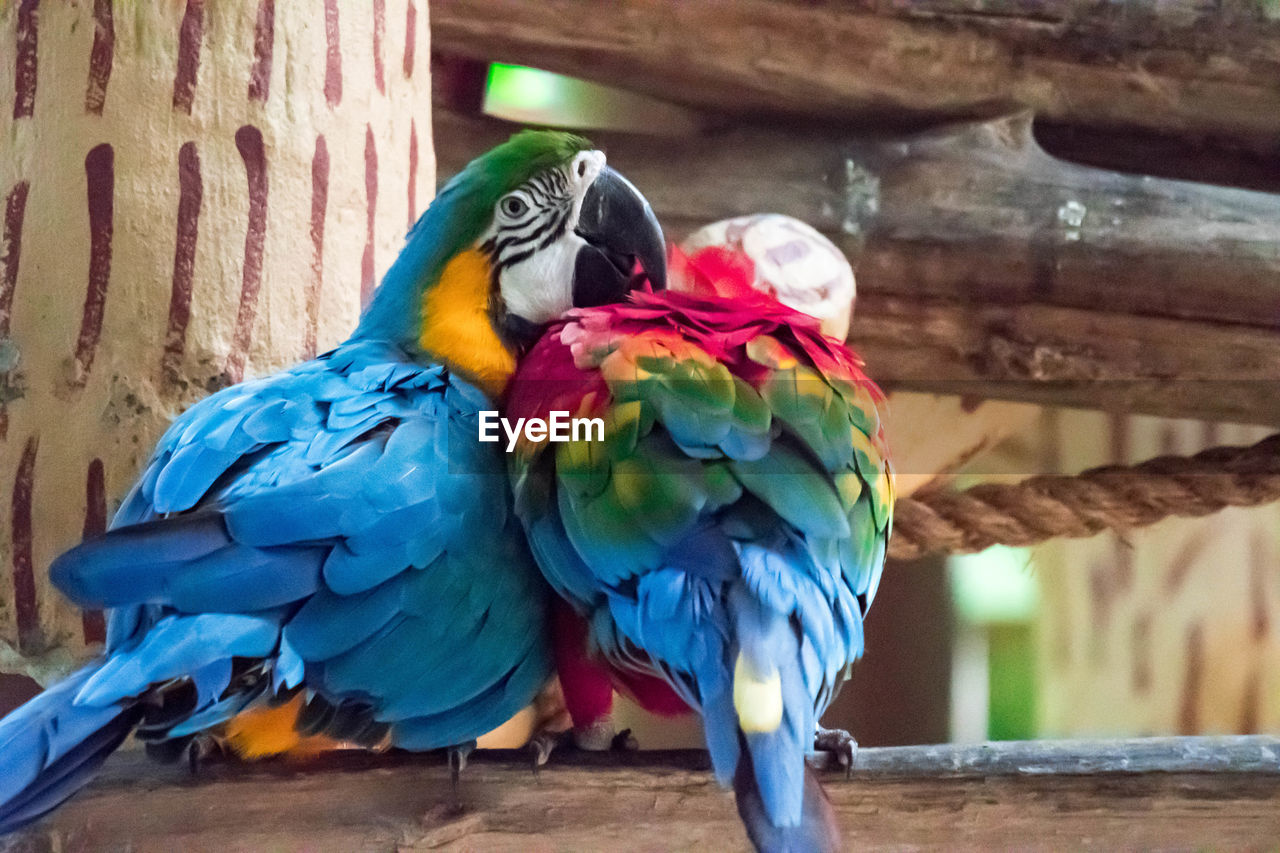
513,206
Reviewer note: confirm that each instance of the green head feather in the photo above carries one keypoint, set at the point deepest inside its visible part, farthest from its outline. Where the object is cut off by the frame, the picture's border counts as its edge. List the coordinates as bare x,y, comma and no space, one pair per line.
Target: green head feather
455,220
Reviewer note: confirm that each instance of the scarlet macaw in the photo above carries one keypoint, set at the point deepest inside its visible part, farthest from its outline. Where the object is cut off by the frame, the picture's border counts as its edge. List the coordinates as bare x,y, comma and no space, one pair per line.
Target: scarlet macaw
728,533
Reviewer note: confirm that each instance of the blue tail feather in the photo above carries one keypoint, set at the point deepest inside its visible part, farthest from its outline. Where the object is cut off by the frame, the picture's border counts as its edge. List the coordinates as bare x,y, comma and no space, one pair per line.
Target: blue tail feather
51,747
816,832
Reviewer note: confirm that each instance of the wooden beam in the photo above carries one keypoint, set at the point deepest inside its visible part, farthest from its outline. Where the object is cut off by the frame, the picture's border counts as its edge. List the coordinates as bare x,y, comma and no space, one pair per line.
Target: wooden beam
1076,757
988,268
1176,792
1176,67
1072,357
1146,153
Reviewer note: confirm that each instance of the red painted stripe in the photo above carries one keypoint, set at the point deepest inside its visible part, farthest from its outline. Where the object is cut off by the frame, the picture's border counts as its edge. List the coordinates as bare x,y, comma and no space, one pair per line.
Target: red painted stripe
379,36
413,172
92,623
15,208
333,55
319,205
190,35
104,43
249,142
24,72
99,170
263,39
25,607
371,200
410,37
190,196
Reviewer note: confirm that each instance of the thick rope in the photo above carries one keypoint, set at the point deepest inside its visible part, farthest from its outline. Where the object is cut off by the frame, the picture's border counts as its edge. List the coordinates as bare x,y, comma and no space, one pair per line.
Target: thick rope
1114,496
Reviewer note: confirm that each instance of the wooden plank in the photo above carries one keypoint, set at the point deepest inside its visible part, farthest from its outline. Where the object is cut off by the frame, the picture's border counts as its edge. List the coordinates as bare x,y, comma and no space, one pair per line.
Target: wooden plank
1259,754
1146,153
988,268
1071,357
1177,792
1177,67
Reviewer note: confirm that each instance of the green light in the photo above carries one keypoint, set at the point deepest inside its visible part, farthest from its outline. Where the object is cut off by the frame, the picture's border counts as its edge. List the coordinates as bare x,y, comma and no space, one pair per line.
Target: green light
531,96
517,88
996,585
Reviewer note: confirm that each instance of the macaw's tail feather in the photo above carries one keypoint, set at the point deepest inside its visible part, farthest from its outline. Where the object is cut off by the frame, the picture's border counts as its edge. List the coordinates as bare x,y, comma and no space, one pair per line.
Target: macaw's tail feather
51,747
817,831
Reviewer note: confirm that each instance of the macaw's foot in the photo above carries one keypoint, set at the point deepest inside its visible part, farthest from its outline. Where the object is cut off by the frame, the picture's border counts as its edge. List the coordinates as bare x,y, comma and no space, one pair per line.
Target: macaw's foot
601,736
200,751
458,763
839,743
545,742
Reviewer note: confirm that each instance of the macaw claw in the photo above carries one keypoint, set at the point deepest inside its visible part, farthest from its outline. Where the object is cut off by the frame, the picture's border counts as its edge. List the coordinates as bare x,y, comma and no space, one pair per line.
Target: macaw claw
545,742
601,736
838,743
457,763
598,737
624,741
199,751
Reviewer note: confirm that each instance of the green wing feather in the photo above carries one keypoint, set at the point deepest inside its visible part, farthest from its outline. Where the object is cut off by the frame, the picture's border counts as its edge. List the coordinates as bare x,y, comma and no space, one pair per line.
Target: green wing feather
807,446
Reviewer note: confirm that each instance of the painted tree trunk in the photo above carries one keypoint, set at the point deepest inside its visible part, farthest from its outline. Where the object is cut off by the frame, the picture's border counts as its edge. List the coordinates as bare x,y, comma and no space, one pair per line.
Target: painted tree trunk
191,192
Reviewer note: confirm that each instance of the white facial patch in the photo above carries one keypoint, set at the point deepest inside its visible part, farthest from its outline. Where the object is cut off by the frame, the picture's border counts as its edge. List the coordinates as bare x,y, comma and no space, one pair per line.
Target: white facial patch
540,288
533,242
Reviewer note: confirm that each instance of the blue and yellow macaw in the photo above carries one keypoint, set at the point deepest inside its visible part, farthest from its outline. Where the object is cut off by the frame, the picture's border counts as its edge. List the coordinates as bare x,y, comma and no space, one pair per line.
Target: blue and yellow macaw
330,550
724,533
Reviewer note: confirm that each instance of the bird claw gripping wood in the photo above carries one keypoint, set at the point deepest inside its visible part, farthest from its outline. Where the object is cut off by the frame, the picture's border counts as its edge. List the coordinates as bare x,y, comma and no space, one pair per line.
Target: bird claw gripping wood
458,763
837,743
624,741
199,751
600,736
543,743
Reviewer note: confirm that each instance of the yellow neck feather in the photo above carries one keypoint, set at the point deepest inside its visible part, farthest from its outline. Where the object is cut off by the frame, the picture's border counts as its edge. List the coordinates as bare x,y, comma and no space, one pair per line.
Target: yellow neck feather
457,327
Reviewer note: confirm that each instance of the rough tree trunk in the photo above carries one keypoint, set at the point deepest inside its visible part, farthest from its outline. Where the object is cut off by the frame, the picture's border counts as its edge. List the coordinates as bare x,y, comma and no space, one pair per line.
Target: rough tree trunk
190,193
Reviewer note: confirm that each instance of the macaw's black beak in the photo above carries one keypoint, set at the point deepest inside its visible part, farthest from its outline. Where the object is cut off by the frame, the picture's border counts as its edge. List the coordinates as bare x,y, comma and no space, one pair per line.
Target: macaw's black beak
620,229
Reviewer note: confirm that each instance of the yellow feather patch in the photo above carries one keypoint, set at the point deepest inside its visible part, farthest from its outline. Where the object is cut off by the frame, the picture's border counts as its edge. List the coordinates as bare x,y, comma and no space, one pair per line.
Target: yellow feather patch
757,700
457,327
266,731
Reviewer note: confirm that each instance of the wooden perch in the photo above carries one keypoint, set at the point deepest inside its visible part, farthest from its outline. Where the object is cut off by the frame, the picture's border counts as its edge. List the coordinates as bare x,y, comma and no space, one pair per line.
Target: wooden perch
988,268
1177,67
1162,792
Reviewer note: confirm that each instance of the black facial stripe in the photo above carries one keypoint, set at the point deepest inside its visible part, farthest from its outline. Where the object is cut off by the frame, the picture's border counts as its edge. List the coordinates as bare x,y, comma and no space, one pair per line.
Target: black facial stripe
542,229
532,217
516,240
543,184
513,260
558,232
550,198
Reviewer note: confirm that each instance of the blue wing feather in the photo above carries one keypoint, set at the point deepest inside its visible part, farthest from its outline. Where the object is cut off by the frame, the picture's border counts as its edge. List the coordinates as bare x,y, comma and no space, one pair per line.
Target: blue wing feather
178,646
339,513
